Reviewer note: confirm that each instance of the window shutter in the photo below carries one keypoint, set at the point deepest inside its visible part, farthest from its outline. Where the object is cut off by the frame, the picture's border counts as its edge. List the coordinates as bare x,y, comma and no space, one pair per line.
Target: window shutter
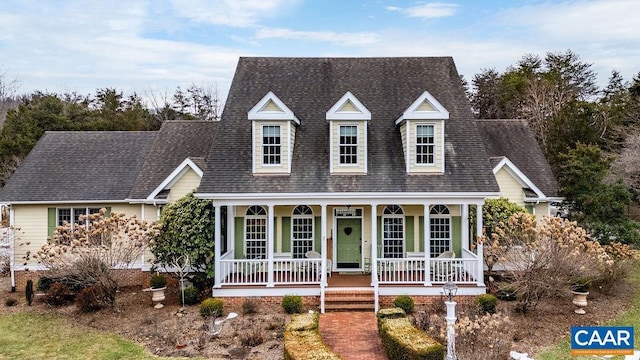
286,234
379,241
317,234
409,234
239,240
456,234
108,212
51,222
421,235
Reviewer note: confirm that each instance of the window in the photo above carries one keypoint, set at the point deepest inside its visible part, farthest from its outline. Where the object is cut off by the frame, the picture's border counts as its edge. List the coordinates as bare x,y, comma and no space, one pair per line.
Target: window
255,233
348,144
79,215
393,232
440,228
425,144
302,231
271,145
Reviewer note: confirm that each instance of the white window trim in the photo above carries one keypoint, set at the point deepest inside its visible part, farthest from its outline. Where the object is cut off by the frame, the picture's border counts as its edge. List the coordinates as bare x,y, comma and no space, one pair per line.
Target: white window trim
440,216
357,163
72,221
266,226
262,145
435,145
313,227
404,228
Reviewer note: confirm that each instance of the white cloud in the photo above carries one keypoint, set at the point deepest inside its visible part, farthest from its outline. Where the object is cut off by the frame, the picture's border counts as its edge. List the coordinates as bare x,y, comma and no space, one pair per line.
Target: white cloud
428,10
236,13
342,39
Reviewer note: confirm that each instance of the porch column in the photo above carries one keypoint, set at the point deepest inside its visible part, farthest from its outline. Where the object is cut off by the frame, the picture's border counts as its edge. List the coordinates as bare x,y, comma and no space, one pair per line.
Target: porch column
465,227
374,244
217,247
323,249
427,246
480,252
323,245
270,244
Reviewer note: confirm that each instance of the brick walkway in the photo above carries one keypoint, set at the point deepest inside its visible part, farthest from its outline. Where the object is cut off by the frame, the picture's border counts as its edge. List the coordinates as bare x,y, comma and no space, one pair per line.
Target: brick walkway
352,335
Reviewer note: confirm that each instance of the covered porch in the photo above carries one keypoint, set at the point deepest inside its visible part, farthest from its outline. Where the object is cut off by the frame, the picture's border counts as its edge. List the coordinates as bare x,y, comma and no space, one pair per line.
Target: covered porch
400,246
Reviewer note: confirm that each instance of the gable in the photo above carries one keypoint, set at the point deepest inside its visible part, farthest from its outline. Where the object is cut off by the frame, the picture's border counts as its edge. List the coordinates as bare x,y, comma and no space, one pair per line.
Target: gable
187,175
348,107
270,107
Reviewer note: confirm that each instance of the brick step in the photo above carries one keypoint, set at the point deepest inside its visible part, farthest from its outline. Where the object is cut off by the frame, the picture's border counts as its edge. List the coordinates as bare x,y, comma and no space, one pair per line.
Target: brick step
349,307
348,300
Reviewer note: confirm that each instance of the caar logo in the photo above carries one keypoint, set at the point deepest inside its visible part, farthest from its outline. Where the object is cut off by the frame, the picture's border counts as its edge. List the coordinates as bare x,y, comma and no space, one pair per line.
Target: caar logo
602,340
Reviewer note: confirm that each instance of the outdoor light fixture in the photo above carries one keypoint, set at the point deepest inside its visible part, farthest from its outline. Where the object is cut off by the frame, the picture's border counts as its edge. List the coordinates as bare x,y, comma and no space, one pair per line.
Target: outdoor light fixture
450,290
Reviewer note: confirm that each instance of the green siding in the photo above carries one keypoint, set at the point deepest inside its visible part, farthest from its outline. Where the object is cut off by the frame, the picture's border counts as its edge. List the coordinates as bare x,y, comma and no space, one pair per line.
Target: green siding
528,208
317,224
239,240
286,234
409,233
107,212
421,235
456,234
51,222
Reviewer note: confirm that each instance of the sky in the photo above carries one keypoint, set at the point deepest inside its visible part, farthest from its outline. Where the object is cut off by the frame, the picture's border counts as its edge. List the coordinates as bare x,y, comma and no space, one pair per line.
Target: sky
152,47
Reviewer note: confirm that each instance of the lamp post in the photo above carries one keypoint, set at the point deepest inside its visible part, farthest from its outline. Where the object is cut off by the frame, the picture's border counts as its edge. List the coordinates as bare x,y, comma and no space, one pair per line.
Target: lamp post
450,290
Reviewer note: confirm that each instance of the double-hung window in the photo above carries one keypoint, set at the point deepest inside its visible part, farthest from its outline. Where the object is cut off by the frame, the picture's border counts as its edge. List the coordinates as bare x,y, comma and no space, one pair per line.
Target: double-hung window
256,233
393,231
425,144
271,145
440,227
75,216
348,144
302,231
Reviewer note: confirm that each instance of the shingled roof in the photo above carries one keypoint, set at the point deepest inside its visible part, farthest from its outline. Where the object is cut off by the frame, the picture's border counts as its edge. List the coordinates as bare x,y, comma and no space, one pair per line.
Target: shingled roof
309,87
79,166
176,141
514,140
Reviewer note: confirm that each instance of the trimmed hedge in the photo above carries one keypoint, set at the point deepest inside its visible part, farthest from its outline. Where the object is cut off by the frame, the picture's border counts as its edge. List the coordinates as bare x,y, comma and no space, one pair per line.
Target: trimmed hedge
402,341
303,341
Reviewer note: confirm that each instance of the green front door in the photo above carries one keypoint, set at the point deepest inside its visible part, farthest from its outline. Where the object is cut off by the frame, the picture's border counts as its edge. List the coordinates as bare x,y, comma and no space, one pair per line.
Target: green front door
349,247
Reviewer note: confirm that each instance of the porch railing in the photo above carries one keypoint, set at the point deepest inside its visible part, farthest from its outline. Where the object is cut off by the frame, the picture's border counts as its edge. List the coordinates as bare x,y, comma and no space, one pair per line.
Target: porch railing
438,270
285,271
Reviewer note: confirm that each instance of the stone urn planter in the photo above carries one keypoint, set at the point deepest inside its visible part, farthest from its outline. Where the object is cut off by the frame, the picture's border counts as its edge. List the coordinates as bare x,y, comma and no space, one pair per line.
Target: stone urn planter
580,289
158,285
580,300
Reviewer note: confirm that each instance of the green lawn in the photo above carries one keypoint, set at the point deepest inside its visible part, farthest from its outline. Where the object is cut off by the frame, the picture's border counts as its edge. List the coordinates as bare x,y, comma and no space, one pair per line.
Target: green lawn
562,350
50,336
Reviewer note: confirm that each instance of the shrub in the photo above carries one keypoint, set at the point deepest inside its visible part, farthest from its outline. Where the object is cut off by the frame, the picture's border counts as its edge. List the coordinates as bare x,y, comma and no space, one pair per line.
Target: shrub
58,295
493,333
211,307
158,281
44,283
292,304
28,292
507,293
90,299
303,341
10,302
191,295
581,285
487,303
401,340
254,336
404,302
249,306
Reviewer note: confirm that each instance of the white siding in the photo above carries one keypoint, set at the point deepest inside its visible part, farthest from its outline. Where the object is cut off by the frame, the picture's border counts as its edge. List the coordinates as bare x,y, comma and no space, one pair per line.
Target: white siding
187,183
360,167
285,151
510,188
438,165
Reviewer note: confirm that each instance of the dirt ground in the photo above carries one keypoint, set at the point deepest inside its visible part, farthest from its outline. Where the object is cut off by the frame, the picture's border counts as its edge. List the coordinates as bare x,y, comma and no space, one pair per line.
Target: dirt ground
165,333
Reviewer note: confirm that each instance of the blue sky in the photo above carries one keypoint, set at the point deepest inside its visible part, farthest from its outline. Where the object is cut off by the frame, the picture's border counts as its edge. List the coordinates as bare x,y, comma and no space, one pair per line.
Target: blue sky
154,46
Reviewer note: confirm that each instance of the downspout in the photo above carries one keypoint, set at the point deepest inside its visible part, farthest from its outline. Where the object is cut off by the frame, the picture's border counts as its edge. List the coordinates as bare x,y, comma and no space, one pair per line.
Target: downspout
12,247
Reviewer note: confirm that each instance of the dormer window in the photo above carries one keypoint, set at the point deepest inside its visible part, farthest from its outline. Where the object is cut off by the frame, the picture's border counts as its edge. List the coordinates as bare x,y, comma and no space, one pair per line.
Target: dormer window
422,129
271,145
425,145
348,119
348,144
273,131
